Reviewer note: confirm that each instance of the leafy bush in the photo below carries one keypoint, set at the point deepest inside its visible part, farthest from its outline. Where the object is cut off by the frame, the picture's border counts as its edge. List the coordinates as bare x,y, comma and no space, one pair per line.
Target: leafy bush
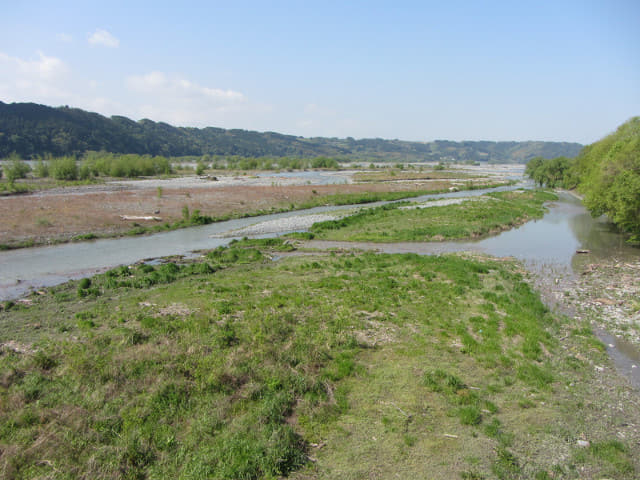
16,169
42,169
129,165
64,168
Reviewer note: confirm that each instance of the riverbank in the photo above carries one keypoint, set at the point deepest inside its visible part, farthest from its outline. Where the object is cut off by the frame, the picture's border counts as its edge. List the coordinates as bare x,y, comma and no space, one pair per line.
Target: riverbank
331,365
131,208
423,222
608,294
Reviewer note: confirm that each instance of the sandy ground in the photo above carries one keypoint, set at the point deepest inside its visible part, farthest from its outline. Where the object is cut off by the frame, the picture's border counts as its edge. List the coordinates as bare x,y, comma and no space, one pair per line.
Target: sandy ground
62,213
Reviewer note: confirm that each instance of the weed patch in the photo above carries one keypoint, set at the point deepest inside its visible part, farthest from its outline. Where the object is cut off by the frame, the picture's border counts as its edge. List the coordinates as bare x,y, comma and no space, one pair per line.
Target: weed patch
234,366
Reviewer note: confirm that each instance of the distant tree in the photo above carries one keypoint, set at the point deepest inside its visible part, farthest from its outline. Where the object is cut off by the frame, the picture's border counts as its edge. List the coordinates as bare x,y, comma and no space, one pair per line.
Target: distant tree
64,168
553,173
16,169
42,169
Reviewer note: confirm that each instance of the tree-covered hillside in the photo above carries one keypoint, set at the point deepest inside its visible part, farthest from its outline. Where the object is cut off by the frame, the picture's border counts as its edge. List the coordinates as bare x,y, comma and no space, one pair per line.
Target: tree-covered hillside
607,172
29,129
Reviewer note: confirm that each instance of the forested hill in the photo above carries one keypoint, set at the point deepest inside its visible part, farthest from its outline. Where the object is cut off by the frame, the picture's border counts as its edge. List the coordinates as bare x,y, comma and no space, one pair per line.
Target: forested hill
29,129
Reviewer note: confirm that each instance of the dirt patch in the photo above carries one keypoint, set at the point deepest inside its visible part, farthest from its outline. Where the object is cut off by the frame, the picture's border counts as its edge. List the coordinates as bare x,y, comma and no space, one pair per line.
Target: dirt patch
175,309
65,213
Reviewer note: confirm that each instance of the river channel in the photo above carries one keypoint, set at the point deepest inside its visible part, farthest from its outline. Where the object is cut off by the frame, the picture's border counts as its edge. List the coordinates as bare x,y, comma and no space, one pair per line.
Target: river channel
547,247
25,269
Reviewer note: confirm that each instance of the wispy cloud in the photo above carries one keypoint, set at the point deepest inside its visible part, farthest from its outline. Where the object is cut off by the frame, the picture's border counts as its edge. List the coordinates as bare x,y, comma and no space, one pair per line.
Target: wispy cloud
43,67
32,79
103,38
64,37
175,99
178,86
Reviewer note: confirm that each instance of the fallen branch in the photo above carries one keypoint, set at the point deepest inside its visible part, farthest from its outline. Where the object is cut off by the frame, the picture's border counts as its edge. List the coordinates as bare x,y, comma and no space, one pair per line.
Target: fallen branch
135,217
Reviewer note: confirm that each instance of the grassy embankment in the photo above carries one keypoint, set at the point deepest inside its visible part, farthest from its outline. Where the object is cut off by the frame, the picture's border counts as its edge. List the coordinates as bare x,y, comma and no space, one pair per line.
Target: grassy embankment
329,366
479,216
195,218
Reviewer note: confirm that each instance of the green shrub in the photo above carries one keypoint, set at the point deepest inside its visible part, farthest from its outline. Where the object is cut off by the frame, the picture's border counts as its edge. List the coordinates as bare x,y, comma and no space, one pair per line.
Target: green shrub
16,169
42,169
64,168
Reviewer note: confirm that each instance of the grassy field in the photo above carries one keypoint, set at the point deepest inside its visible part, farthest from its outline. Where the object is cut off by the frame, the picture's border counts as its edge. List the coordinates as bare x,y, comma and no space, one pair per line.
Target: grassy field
479,216
348,366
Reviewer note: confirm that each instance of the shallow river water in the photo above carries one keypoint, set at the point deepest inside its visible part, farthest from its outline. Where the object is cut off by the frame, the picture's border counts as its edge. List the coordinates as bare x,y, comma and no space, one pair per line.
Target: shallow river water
547,247
25,269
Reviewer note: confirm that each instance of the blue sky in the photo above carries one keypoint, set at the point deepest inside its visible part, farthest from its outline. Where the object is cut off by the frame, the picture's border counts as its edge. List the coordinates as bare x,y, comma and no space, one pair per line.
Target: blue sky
457,70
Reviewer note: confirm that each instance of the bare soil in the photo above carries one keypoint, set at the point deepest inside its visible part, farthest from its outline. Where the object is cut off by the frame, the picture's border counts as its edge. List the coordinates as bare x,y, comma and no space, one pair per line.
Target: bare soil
63,213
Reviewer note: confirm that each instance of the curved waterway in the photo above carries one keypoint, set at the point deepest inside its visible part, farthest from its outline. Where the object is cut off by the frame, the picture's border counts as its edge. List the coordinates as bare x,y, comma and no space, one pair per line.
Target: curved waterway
26,269
546,246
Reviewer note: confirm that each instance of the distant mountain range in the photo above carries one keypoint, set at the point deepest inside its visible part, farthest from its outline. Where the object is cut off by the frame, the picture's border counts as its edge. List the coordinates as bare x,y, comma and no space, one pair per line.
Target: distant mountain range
29,129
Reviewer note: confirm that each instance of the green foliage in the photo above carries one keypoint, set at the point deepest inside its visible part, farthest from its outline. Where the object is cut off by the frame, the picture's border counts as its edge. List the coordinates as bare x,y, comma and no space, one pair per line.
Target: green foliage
185,213
470,219
507,465
612,454
553,173
31,129
609,172
42,169
16,169
64,168
232,367
130,165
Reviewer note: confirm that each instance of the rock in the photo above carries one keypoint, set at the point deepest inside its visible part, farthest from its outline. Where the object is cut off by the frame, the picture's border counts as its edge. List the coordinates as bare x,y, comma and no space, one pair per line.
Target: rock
583,443
605,301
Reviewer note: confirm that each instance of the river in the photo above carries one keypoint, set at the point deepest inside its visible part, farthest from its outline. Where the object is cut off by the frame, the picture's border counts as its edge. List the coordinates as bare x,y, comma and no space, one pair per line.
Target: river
23,270
547,247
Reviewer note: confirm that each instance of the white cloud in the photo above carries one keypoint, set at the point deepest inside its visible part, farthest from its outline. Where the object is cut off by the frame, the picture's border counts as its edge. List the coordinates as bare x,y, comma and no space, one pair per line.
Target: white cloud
317,119
158,83
104,38
40,79
64,37
179,101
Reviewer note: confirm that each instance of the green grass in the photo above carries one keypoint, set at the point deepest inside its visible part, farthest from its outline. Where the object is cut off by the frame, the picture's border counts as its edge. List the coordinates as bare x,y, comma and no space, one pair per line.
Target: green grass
473,218
234,367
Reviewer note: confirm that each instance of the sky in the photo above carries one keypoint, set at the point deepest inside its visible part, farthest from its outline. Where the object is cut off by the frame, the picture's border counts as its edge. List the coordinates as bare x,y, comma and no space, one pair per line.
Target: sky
412,70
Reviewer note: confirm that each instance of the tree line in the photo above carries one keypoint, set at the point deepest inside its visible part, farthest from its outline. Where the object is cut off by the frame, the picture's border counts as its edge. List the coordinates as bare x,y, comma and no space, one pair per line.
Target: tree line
28,129
105,164
606,172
